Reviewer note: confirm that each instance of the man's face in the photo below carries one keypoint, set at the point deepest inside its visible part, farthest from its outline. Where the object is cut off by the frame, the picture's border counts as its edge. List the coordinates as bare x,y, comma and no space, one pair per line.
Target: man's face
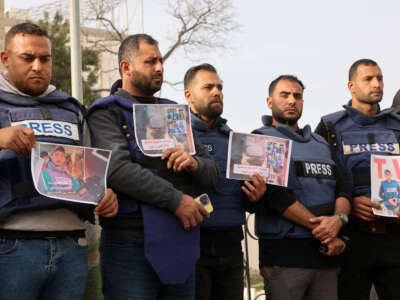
28,61
147,69
205,95
286,102
388,176
58,159
366,86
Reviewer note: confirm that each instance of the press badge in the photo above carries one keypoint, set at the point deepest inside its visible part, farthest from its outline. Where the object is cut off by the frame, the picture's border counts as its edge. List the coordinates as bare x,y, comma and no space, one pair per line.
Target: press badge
51,128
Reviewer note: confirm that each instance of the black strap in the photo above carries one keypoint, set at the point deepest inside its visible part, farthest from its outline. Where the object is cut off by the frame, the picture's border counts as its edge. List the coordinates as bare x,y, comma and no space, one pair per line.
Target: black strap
301,172
37,235
332,137
371,138
23,189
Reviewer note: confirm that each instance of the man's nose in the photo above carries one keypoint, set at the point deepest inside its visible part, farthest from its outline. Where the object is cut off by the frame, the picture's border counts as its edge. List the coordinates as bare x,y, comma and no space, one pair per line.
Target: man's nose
159,67
36,65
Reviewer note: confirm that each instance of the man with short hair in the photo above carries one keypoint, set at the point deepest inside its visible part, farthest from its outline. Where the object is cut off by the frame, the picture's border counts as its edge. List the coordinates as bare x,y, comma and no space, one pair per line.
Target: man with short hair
150,248
354,134
42,247
219,271
293,223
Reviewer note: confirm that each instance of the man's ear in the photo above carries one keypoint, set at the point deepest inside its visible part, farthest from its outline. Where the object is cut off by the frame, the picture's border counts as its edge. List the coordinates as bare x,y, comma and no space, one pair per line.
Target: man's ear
350,86
269,102
125,67
4,58
188,96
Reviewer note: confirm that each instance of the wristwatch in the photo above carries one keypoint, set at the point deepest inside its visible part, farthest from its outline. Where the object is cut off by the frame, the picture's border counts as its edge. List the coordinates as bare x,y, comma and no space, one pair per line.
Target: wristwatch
343,217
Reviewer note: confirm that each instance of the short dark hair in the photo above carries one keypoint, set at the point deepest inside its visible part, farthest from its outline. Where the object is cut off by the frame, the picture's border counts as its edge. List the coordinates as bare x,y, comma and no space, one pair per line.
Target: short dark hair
130,46
293,78
59,148
24,28
360,62
191,73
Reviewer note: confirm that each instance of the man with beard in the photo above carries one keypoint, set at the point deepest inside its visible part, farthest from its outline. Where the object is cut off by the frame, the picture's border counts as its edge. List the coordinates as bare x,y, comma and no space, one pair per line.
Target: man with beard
354,133
293,222
42,246
219,271
149,250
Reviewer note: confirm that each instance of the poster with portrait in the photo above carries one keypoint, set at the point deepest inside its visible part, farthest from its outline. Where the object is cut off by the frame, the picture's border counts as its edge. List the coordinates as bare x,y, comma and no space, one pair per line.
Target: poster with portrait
385,184
162,126
265,155
71,173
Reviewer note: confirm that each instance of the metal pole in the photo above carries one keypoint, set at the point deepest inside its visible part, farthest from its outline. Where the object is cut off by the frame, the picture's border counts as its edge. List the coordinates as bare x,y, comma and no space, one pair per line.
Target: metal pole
76,54
247,262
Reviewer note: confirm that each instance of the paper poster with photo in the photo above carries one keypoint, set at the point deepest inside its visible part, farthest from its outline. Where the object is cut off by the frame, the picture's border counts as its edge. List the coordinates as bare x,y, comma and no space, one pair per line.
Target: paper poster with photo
385,184
70,173
162,126
253,153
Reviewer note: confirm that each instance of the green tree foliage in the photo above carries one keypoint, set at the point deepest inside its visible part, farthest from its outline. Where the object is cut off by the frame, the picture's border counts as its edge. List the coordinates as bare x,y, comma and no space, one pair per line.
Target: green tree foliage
58,31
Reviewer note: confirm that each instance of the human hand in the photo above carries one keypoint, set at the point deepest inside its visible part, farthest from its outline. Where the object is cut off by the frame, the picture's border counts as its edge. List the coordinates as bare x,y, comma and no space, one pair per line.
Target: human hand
335,247
179,160
327,229
254,189
190,212
19,139
108,205
362,208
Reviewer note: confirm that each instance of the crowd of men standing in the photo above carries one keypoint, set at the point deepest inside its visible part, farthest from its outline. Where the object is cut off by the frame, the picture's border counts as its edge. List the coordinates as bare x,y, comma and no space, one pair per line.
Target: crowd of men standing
318,237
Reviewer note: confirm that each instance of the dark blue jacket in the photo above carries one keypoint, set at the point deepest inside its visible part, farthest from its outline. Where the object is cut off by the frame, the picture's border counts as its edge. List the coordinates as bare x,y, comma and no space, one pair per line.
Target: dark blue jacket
226,194
56,118
355,136
311,180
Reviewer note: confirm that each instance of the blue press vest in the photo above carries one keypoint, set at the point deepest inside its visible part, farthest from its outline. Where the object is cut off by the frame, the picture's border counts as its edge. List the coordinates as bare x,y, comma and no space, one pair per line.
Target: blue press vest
357,137
170,249
54,119
314,188
127,206
225,196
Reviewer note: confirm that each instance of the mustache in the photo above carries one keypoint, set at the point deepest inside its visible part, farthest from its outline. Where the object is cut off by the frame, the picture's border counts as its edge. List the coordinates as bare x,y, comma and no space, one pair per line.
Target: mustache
157,76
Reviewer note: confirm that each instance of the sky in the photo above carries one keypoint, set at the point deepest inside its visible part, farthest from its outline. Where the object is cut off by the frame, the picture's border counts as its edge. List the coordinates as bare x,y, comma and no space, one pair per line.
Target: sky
312,39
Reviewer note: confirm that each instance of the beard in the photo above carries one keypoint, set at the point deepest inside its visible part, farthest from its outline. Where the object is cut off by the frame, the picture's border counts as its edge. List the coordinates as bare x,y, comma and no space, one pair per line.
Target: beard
210,111
278,115
369,99
145,84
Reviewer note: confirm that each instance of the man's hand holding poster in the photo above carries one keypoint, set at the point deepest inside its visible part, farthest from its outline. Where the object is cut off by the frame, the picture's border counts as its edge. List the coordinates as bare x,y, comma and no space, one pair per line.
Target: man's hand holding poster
162,126
385,188
252,153
70,173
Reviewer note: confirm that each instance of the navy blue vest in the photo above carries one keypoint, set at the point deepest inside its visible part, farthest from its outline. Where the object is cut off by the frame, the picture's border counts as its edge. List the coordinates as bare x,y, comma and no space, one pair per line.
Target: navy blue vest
226,194
170,249
56,118
355,136
311,180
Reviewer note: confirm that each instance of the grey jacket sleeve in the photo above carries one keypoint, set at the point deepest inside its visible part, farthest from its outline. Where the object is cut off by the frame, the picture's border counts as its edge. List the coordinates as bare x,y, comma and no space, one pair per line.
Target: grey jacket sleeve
126,176
208,171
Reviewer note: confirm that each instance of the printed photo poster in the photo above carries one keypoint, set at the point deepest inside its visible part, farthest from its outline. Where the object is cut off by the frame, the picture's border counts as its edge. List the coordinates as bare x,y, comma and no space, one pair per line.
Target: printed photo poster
253,153
162,126
70,173
385,184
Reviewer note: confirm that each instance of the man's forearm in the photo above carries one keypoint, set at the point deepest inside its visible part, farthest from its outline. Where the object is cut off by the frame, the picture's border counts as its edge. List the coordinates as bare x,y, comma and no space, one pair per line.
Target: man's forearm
299,214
